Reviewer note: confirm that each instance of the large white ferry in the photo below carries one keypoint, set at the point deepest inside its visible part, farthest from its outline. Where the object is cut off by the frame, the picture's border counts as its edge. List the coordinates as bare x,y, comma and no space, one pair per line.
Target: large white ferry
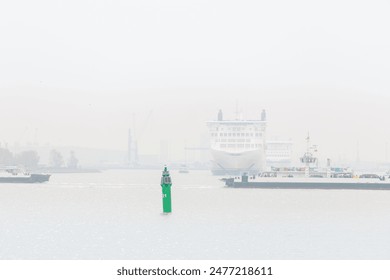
238,146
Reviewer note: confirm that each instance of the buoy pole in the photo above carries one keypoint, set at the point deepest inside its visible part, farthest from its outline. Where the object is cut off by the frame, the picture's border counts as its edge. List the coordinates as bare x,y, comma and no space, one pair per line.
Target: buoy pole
166,184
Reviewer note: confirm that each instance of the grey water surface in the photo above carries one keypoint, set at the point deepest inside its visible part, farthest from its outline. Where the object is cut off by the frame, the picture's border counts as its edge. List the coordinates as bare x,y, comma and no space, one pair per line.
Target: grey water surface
118,215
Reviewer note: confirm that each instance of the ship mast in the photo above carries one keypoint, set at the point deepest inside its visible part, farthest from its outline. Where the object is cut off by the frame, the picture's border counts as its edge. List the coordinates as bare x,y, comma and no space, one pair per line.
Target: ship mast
309,158
237,112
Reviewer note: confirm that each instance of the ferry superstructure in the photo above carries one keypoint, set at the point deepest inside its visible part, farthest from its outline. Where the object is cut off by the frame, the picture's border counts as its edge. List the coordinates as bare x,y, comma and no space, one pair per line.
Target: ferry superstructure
237,146
279,153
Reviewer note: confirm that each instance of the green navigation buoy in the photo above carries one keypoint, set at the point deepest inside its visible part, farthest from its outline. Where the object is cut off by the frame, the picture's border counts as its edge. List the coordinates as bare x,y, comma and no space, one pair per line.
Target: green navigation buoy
166,184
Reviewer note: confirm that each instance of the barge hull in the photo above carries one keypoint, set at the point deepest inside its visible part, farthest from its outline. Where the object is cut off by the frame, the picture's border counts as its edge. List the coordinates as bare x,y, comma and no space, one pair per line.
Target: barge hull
33,178
310,185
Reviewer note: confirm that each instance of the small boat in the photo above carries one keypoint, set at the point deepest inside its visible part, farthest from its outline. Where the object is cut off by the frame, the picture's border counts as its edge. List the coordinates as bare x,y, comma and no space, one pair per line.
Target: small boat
16,175
183,169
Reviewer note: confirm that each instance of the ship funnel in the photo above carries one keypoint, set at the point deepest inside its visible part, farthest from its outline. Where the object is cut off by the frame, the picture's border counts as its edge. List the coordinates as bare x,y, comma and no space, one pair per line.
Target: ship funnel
263,116
220,115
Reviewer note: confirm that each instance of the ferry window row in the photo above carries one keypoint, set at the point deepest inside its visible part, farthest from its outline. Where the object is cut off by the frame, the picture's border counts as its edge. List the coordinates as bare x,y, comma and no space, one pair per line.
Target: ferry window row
233,140
242,128
236,134
240,146
238,129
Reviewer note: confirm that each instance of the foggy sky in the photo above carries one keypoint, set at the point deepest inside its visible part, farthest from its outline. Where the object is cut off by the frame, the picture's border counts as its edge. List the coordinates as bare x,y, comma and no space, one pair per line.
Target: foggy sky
83,72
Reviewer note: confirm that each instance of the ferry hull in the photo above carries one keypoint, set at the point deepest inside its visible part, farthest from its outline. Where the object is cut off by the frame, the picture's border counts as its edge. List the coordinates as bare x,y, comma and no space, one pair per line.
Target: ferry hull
236,163
325,185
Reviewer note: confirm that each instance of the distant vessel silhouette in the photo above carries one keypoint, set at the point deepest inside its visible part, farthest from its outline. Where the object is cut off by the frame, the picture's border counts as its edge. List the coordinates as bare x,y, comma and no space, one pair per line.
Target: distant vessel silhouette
16,175
183,169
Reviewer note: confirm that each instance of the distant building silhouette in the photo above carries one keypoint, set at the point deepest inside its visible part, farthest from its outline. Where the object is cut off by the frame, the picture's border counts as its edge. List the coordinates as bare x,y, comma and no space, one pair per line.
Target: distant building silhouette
132,150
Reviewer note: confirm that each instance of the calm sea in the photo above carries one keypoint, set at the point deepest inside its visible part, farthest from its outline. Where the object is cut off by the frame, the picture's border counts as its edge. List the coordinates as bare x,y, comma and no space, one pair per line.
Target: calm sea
117,215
